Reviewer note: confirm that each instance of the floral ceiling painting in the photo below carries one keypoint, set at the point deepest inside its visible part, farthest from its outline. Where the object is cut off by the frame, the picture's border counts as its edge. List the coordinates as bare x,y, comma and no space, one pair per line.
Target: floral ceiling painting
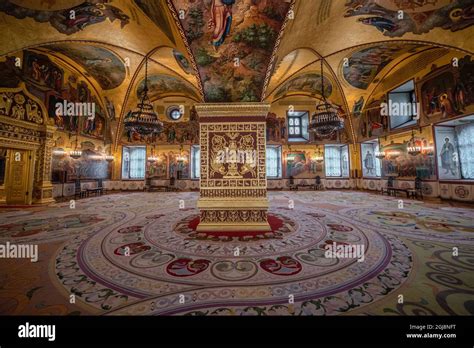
419,17
232,42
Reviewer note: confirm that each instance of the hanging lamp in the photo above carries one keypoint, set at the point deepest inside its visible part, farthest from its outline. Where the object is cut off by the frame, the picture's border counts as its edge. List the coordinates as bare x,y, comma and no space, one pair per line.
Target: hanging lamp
143,118
325,121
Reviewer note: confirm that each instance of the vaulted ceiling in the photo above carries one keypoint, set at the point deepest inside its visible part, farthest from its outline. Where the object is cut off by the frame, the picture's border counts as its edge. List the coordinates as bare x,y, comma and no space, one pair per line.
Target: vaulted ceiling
273,49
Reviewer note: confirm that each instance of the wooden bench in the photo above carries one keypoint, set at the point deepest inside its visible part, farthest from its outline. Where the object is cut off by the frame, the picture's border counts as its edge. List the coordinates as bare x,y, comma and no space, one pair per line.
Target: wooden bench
391,190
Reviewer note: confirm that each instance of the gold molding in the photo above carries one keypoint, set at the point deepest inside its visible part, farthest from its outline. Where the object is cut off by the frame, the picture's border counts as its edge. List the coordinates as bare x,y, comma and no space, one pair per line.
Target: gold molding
232,109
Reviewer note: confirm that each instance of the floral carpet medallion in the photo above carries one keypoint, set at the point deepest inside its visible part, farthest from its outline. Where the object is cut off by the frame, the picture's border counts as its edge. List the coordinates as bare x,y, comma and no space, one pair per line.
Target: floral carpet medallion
140,254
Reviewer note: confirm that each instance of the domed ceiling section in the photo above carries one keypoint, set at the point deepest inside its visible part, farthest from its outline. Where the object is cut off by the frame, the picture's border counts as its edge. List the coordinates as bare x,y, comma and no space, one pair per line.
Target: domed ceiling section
232,43
106,67
362,41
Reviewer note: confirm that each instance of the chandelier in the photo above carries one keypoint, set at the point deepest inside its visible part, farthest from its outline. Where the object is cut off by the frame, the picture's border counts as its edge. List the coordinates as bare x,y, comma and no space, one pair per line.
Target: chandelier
414,148
325,121
319,157
76,153
152,157
143,118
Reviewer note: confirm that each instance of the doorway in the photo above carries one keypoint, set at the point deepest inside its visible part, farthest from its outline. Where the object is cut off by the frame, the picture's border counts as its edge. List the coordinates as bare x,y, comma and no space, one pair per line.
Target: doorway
16,175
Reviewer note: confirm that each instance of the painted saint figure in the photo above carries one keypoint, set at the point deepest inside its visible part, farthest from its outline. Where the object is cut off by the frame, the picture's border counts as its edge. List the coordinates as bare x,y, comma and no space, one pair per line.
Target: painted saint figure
369,163
221,20
447,157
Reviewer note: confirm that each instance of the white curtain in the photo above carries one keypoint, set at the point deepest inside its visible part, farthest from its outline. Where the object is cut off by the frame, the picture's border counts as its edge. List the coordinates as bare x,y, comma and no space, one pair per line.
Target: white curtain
273,161
465,135
344,160
133,162
196,162
332,160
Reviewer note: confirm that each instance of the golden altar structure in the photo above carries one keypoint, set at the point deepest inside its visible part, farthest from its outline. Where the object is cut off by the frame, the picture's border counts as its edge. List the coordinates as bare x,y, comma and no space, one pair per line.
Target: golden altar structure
233,183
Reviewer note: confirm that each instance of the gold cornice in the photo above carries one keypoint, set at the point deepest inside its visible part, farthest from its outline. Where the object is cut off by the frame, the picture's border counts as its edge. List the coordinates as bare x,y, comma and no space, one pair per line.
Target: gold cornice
232,109
23,124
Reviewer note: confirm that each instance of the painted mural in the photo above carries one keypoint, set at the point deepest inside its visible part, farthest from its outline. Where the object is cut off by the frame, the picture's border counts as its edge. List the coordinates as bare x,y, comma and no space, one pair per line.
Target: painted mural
173,133
372,123
232,42
110,108
104,66
357,108
447,153
90,165
401,164
370,163
179,164
86,14
157,169
40,71
276,128
161,85
365,64
51,84
420,16
447,91
299,164
309,84
183,62
94,127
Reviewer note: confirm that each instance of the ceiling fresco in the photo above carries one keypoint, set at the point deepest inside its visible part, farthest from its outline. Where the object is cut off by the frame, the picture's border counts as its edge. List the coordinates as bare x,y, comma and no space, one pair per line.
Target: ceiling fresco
419,17
85,14
309,84
103,65
232,42
365,64
160,85
183,62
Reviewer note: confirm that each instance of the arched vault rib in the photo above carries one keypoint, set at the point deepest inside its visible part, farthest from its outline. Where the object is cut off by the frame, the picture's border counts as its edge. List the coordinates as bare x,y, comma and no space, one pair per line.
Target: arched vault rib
355,47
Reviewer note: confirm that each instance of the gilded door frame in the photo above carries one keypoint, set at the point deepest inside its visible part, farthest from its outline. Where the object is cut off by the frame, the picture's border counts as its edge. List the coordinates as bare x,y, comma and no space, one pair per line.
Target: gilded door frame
30,161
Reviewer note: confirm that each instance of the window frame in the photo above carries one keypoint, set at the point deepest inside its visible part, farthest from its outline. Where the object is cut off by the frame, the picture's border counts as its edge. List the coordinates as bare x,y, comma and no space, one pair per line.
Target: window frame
195,148
130,160
413,121
326,162
302,118
279,162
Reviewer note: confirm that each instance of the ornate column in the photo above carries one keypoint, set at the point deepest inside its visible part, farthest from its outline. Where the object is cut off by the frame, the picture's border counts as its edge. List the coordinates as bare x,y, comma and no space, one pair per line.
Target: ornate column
42,187
233,184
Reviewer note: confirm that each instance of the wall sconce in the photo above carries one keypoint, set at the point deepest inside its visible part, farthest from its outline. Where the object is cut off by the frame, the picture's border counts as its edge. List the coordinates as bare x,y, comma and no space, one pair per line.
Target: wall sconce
75,154
319,157
380,154
59,152
109,158
152,157
180,157
393,155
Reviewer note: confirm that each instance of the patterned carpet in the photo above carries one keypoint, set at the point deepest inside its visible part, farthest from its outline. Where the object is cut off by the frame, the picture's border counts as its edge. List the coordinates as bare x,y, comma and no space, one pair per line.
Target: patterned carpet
172,269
